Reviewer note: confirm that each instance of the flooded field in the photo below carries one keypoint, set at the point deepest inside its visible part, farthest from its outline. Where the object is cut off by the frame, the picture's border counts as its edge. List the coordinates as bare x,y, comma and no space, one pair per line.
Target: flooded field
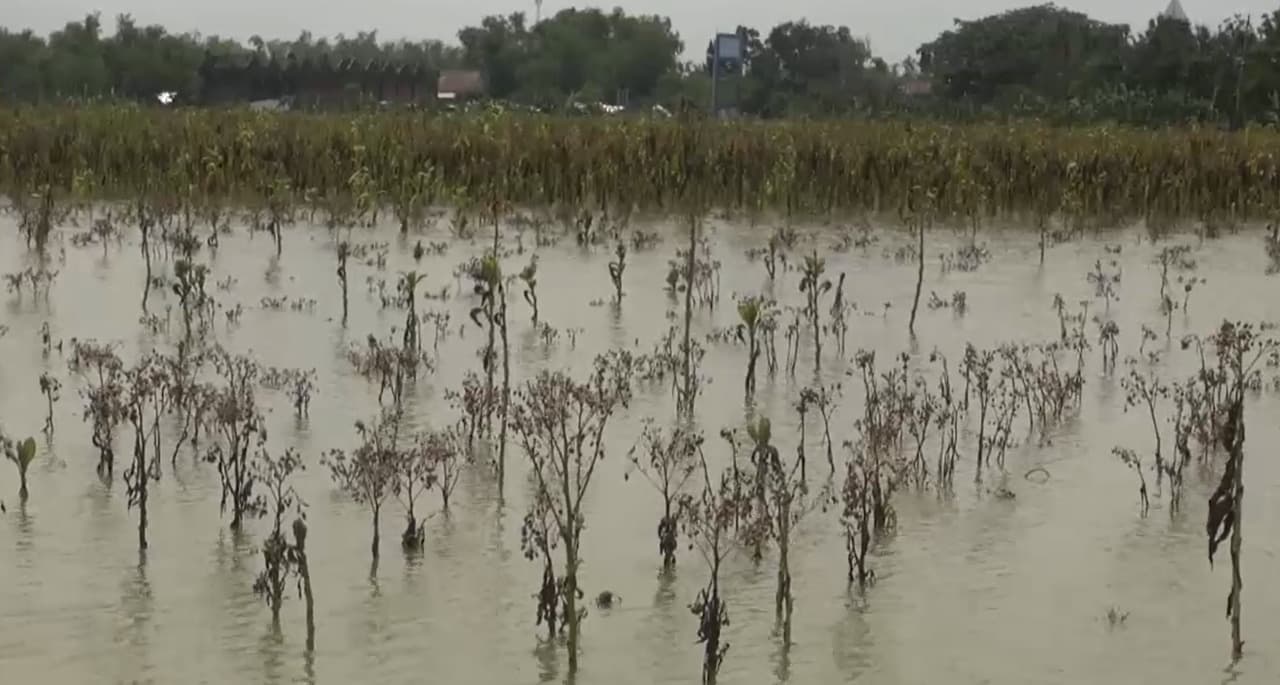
1010,579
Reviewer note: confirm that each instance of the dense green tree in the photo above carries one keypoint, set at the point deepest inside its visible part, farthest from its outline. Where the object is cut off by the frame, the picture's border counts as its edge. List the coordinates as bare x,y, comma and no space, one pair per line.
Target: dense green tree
1040,61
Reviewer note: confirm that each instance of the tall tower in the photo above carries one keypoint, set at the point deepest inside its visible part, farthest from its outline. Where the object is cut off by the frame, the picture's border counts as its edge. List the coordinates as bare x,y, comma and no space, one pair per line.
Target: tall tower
1175,11
537,11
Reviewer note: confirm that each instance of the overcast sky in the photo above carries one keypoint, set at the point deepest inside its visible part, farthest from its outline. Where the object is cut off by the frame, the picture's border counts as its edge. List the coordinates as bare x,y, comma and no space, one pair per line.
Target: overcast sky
895,27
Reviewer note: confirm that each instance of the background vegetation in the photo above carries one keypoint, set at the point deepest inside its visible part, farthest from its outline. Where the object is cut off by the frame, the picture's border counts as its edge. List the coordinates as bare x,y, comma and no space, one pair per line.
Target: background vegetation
1038,61
412,160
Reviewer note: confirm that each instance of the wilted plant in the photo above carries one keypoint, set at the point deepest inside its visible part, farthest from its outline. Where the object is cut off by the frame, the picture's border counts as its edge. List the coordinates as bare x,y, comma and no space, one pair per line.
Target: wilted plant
189,287
1176,257
529,276
1239,350
304,576
667,461
1108,340
788,502
1272,243
539,538
486,276
415,473
856,515
368,474
710,519
38,214
1185,406
617,268
824,398
1105,281
919,217
280,559
561,425
299,385
344,252
50,387
103,373
239,430
145,400
1133,461
389,364
1147,390
146,222
443,451
839,313
754,313
814,286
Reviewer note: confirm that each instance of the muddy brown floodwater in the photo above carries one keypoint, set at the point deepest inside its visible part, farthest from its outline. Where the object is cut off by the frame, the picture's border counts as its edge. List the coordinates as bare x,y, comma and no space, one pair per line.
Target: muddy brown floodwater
972,589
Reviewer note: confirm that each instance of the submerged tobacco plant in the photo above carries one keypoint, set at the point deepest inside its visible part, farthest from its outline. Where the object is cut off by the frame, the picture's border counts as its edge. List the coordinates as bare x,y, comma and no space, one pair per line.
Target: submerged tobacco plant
238,431
1240,348
145,399
51,388
561,426
813,285
529,276
755,314
617,268
710,519
368,474
667,460
103,373
279,558
21,454
344,252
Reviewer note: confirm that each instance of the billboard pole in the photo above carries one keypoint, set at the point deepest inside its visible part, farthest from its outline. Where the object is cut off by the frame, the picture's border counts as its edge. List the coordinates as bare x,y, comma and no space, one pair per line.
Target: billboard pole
715,77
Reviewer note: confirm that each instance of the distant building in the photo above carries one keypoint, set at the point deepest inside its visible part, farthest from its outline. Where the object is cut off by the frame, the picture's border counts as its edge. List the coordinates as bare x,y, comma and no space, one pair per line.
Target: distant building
916,87
460,84
1175,11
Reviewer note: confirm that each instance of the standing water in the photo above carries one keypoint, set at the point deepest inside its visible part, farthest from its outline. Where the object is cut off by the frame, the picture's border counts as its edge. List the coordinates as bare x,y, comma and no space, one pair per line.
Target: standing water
1005,581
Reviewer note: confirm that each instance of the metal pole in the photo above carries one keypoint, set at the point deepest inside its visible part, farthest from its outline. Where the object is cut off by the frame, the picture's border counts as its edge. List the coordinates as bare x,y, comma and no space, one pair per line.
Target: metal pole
715,77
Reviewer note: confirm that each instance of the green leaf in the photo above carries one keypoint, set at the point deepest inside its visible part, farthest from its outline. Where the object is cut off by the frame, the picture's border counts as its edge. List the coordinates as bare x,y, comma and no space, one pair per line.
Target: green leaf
26,453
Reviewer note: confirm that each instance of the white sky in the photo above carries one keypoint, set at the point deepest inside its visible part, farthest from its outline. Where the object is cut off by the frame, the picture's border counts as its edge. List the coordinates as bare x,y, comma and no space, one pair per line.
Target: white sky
895,27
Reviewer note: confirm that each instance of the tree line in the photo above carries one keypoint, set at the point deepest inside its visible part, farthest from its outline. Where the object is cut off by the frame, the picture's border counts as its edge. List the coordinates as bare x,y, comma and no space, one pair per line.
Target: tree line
1040,61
